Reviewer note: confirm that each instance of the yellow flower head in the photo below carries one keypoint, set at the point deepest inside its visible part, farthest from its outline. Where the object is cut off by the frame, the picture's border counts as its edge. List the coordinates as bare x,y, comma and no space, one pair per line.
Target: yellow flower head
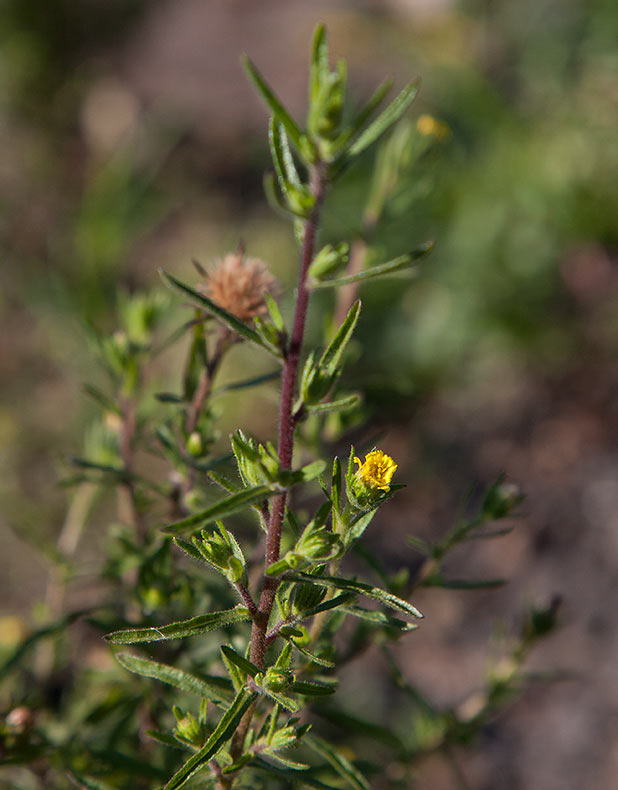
428,126
377,471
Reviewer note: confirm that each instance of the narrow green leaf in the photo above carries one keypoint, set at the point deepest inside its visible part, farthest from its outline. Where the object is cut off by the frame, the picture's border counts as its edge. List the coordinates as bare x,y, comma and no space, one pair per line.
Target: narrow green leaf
245,383
284,761
336,484
319,63
366,112
282,699
490,534
279,111
346,770
274,198
275,315
359,524
348,402
462,584
332,355
419,544
237,677
218,690
203,301
196,625
190,549
289,165
239,500
385,120
381,270
330,603
310,689
388,599
84,463
323,662
224,483
276,152
103,400
167,740
379,617
169,397
222,733
311,470
240,661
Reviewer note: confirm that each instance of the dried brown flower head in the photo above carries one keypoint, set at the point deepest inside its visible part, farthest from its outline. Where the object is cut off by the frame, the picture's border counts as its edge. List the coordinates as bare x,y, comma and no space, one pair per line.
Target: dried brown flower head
238,284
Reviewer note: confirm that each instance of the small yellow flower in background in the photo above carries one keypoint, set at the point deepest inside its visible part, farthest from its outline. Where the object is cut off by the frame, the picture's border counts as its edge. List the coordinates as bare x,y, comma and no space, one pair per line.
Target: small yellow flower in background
377,471
428,126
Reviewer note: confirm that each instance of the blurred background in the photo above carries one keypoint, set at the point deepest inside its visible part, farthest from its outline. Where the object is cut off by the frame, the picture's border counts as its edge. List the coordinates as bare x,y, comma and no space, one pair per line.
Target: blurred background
131,140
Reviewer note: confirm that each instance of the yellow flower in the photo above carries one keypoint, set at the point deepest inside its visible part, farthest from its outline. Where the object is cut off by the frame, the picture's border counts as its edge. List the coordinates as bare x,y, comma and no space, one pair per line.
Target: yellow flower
428,126
377,471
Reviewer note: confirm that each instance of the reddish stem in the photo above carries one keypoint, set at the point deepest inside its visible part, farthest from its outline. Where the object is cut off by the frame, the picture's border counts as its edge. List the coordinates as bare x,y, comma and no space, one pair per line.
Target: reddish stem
287,422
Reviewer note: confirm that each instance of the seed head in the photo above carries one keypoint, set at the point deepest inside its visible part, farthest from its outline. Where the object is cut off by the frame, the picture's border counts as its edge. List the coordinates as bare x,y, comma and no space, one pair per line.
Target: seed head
238,284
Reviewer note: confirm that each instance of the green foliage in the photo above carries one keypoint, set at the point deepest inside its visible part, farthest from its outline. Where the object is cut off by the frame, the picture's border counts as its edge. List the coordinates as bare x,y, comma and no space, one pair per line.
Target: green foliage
299,618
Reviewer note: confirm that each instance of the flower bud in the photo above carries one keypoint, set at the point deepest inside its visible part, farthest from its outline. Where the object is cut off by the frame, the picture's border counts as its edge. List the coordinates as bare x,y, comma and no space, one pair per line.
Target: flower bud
307,595
277,679
501,499
188,728
257,464
195,446
315,545
222,552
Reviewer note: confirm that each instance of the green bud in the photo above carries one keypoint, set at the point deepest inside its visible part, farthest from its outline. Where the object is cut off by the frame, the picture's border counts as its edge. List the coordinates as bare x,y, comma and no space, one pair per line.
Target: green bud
541,621
195,446
257,464
307,595
316,382
188,728
501,499
222,552
300,200
329,260
153,598
277,679
317,544
326,109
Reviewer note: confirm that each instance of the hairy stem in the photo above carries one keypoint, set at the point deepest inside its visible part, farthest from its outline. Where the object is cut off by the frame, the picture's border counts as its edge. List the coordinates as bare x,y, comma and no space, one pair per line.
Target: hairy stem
287,422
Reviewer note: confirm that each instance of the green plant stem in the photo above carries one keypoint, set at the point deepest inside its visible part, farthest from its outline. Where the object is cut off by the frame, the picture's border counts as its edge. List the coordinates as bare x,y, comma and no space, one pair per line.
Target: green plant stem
287,423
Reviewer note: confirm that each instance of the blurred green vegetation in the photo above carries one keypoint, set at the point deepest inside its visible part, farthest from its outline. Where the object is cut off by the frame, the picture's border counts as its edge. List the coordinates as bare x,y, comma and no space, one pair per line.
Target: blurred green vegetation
521,198
98,191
